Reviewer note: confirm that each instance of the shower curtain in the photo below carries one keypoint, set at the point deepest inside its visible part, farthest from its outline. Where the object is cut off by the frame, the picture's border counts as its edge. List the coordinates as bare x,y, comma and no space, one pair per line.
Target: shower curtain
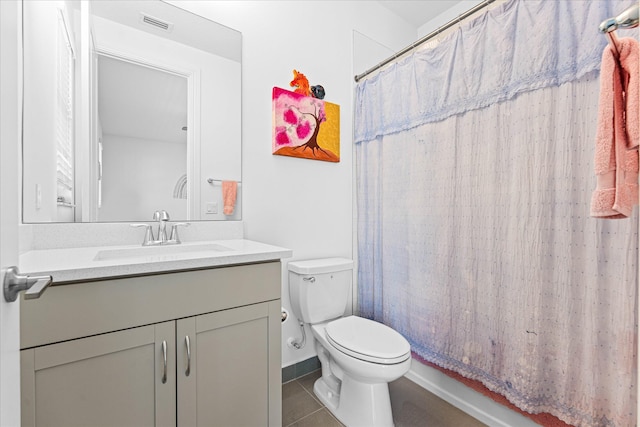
474,178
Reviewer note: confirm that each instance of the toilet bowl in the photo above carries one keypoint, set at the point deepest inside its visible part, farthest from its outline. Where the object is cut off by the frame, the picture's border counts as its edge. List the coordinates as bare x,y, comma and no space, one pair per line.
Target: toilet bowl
364,367
359,357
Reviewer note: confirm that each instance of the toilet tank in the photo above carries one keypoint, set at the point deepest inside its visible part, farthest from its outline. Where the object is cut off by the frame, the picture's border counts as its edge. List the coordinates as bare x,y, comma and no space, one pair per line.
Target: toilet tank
319,288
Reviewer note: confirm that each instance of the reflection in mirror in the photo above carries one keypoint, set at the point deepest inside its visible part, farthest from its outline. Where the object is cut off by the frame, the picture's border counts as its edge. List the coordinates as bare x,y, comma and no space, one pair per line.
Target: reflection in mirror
129,107
51,41
142,113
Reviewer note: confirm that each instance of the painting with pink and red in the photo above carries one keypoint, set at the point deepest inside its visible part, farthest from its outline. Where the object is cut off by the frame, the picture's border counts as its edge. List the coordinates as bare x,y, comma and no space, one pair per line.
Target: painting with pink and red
304,126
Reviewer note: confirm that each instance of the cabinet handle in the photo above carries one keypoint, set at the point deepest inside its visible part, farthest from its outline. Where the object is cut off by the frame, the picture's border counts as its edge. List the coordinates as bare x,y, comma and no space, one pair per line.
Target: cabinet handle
188,344
164,359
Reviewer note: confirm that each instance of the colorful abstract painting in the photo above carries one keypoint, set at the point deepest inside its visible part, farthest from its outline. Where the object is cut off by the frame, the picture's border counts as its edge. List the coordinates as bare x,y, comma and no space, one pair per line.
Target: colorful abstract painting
305,127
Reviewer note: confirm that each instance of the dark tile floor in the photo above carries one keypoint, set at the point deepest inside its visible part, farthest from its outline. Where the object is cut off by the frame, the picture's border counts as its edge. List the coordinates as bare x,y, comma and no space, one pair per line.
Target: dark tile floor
411,405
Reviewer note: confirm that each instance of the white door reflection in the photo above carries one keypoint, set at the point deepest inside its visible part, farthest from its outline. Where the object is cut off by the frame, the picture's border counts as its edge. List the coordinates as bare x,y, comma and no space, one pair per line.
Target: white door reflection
142,115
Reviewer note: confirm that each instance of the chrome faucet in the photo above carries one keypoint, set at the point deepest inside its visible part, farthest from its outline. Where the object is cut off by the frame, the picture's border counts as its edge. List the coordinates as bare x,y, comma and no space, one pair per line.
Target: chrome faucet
163,218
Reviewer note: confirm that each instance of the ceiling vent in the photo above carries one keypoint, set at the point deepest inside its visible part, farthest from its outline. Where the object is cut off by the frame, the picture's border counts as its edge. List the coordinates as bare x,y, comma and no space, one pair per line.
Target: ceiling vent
158,23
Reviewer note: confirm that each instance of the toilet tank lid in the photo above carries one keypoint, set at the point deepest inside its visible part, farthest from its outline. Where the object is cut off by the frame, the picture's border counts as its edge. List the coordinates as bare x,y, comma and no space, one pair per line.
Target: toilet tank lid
317,266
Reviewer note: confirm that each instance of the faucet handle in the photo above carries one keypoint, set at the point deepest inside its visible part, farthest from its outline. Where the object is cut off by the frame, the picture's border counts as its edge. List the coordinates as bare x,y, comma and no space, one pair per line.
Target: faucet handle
174,231
148,235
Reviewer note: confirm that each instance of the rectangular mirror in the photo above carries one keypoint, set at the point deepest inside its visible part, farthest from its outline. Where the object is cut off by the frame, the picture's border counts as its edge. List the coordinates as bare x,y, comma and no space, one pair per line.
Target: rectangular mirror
129,107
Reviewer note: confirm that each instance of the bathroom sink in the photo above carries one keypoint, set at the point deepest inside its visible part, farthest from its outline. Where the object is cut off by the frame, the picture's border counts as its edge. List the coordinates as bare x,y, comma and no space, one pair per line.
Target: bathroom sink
147,251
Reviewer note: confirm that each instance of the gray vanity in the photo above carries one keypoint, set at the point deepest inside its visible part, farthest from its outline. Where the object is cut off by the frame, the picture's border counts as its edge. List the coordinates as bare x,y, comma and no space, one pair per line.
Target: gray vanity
161,345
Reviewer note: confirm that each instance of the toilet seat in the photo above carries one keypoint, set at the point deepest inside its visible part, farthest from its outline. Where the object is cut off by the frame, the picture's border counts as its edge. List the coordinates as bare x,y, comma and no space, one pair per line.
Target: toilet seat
368,340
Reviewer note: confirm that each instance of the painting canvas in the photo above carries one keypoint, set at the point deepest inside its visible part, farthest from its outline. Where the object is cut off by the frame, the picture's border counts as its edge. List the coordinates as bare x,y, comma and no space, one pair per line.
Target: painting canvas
305,127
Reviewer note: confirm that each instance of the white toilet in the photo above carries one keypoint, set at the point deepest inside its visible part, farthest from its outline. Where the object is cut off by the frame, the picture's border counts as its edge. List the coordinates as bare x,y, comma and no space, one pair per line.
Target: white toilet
359,357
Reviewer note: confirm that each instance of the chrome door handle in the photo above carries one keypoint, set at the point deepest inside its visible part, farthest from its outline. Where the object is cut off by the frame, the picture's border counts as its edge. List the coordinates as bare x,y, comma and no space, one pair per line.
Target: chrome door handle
15,282
188,344
164,359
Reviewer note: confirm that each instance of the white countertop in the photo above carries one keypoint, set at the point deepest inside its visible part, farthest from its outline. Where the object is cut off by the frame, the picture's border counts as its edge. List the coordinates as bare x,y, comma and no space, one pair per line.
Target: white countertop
76,264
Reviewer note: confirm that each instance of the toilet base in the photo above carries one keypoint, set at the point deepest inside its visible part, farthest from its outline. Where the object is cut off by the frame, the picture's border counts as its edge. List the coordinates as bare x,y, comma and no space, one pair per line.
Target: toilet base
328,398
358,404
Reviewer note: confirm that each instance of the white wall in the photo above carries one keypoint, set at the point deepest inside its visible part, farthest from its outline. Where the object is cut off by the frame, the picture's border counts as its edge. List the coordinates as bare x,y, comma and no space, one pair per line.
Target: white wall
138,178
367,53
300,204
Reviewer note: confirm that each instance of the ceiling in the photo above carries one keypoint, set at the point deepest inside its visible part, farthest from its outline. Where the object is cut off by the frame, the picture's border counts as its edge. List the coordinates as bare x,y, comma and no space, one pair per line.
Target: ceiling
418,12
184,27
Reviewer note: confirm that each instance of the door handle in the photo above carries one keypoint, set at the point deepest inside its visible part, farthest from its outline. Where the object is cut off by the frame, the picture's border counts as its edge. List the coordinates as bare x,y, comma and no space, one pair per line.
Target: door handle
15,282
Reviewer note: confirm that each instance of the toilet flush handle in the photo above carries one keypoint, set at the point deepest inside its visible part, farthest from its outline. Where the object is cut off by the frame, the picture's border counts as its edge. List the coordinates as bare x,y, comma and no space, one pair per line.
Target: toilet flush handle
309,279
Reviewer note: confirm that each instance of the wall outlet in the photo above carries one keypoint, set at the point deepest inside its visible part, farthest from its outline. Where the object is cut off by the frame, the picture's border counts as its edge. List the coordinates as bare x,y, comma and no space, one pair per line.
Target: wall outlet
212,208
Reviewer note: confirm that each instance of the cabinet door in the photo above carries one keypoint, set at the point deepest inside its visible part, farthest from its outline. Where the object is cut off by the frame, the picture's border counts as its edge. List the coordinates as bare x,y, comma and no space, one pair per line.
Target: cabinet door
229,375
114,379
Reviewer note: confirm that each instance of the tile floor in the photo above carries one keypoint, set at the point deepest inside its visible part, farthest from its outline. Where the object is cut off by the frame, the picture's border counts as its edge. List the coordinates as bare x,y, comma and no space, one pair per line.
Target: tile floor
411,405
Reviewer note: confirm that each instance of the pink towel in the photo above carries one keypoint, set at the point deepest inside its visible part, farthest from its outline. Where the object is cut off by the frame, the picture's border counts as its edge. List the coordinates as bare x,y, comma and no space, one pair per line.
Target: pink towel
229,191
618,135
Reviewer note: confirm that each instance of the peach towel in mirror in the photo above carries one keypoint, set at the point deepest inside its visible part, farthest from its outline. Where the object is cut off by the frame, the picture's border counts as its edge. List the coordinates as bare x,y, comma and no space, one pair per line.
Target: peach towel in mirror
229,192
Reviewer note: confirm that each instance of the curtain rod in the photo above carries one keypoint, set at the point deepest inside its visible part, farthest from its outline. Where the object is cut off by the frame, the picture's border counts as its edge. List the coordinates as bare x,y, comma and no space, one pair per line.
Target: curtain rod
429,36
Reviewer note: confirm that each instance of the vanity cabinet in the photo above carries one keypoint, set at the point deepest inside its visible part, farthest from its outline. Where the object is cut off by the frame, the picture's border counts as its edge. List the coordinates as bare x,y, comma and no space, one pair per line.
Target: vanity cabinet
111,379
217,329
229,383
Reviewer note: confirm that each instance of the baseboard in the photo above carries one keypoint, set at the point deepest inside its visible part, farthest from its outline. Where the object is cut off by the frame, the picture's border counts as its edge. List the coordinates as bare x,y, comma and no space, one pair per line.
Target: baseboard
466,399
300,369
